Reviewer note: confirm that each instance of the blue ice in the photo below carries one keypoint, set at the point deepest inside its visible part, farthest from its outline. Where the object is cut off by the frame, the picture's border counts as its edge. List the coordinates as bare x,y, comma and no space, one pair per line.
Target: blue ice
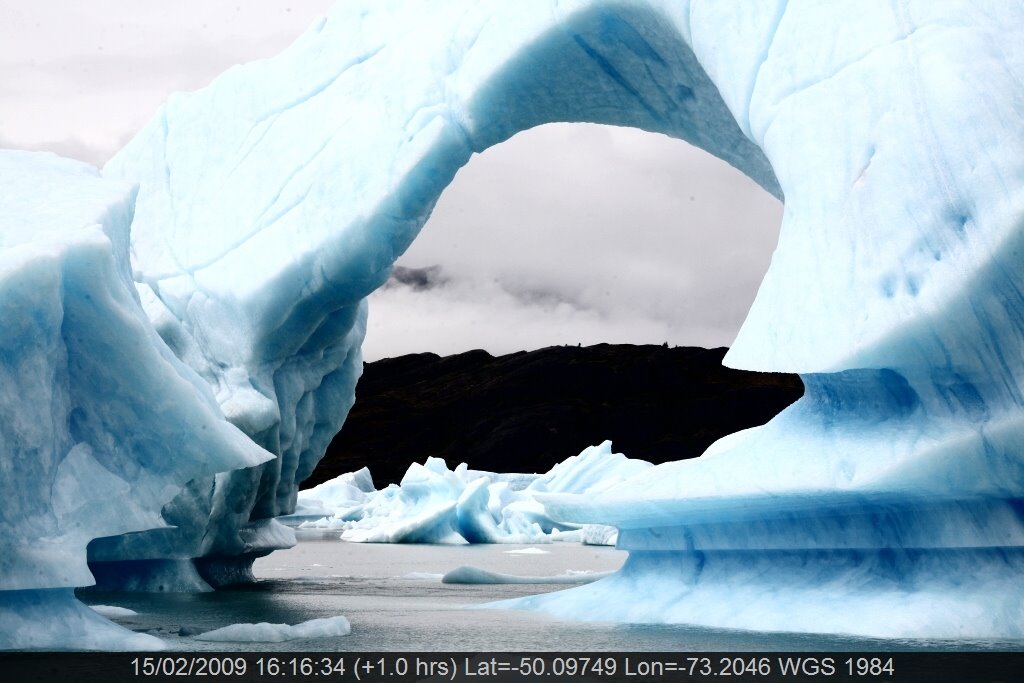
273,201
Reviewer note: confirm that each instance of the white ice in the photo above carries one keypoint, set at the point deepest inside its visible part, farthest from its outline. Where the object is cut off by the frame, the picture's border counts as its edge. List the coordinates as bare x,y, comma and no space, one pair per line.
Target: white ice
113,611
527,551
101,424
422,576
328,627
433,504
53,619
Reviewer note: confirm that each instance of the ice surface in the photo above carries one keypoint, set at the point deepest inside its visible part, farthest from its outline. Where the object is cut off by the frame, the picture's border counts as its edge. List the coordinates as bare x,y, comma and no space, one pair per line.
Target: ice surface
436,505
101,424
329,627
349,490
945,594
52,619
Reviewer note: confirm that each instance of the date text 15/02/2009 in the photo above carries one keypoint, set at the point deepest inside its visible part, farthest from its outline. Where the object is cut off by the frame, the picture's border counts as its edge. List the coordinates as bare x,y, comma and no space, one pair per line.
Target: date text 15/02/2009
651,666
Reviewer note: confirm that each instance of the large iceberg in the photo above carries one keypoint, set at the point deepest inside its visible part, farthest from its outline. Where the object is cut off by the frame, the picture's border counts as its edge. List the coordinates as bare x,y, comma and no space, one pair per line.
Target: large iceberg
272,202
102,425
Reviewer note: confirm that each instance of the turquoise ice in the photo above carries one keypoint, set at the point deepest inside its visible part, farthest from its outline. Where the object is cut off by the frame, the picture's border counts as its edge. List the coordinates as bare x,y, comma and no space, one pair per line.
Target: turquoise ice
102,425
272,202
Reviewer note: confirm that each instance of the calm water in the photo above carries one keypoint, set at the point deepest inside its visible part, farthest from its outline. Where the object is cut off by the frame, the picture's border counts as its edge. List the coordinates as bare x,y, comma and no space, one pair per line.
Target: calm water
395,601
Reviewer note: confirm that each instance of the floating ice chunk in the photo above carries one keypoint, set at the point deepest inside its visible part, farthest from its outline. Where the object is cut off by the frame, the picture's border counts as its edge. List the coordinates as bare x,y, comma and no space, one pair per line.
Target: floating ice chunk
436,505
342,491
329,627
902,594
528,551
306,513
430,525
593,470
113,611
599,534
422,576
475,575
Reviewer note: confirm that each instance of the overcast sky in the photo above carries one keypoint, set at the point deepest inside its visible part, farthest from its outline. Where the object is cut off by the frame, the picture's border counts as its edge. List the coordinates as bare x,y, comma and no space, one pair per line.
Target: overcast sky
565,234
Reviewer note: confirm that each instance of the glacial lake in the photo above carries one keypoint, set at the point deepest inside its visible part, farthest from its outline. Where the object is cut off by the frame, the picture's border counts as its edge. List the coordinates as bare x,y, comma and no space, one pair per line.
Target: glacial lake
395,601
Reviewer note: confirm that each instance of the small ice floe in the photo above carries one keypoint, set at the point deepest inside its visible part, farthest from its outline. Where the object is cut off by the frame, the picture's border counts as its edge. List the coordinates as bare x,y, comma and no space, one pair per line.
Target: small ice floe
599,534
475,575
422,576
528,551
112,611
263,632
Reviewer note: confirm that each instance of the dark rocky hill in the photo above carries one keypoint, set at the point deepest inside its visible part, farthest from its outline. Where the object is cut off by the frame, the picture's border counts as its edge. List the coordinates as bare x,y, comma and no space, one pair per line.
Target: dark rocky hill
526,411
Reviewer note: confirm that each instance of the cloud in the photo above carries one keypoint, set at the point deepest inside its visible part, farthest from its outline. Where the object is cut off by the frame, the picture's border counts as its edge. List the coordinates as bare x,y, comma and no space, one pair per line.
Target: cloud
417,279
69,147
470,314
570,233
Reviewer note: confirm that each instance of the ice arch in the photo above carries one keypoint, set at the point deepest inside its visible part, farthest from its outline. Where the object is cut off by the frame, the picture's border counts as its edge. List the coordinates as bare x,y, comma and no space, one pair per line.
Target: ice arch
233,178
274,201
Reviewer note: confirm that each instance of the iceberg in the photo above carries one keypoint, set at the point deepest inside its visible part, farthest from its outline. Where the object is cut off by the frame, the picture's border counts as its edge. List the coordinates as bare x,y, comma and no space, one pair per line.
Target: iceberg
894,290
433,504
102,424
273,201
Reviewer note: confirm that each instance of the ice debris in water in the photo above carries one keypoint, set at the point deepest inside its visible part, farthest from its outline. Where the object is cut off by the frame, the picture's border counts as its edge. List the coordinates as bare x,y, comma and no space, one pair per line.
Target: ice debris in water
436,505
328,627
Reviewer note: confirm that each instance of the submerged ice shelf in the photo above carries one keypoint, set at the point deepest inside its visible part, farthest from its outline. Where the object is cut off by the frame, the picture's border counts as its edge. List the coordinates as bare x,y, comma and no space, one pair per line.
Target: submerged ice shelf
272,202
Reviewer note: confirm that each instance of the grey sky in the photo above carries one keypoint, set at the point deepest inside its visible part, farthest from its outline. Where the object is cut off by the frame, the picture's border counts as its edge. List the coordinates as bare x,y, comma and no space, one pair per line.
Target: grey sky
565,234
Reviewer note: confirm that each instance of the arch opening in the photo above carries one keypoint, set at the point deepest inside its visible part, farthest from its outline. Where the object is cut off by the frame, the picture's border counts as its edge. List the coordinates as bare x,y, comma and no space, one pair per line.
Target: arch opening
578,233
